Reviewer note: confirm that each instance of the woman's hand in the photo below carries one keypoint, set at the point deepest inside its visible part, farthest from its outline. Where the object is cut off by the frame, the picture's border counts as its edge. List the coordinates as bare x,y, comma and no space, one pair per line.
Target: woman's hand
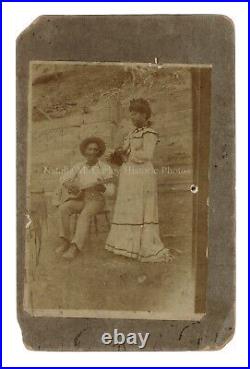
116,156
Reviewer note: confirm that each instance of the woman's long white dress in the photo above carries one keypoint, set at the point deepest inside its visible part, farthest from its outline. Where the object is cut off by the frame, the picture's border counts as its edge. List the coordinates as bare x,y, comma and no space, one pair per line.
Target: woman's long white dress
135,226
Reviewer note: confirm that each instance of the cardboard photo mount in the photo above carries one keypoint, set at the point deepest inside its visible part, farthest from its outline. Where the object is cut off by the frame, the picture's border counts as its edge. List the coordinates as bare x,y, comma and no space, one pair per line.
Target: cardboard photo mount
182,39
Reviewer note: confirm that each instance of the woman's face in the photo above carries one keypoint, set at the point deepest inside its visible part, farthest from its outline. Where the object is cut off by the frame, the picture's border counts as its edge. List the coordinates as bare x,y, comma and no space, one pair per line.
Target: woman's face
138,118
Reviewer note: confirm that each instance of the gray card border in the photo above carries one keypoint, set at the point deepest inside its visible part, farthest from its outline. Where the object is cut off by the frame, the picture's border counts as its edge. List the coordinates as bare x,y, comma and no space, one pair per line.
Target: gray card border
179,39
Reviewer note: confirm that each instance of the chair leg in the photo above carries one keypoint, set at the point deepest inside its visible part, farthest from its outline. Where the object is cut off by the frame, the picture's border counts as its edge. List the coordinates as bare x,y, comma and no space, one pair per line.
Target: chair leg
96,225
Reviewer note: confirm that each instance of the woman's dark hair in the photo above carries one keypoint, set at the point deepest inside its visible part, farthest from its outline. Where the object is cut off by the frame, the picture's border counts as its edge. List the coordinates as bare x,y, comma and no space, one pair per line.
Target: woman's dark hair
140,105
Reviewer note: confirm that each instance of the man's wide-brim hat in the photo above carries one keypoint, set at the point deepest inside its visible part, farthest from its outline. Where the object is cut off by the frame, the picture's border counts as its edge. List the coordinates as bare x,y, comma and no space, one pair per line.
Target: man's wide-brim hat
96,140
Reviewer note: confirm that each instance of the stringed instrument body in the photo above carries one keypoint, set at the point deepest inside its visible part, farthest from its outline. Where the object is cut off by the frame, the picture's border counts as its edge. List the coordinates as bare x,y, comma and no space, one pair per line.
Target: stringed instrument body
63,193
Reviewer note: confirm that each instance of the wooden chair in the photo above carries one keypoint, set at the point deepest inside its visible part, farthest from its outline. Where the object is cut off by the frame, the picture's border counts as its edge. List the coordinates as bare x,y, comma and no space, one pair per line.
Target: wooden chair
94,222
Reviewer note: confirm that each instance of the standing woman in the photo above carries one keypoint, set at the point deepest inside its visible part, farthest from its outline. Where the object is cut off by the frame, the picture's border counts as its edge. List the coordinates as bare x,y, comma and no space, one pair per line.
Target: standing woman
135,227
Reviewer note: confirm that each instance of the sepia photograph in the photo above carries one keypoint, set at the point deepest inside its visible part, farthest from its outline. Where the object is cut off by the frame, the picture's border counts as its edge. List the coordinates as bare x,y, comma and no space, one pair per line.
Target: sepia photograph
117,190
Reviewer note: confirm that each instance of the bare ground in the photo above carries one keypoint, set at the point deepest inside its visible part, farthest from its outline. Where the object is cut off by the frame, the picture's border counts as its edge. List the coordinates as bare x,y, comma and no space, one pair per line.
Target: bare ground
98,279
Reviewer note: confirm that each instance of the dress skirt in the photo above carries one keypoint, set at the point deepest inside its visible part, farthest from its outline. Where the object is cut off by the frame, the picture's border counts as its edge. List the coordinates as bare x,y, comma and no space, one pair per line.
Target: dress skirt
134,229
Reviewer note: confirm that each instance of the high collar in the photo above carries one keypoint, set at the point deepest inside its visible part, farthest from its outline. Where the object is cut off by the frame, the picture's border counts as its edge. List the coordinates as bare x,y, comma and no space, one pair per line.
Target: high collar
139,129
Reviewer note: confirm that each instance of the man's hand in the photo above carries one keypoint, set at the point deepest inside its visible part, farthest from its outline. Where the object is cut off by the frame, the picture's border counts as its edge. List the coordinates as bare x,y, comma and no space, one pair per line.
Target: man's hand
99,187
72,188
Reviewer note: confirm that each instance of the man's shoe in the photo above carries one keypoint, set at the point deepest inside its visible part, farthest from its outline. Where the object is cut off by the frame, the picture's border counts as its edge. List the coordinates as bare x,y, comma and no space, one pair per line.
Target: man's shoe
71,253
63,247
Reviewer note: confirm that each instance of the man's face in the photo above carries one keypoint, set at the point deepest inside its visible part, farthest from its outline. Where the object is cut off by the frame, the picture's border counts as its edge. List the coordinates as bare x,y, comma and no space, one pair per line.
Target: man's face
138,118
91,152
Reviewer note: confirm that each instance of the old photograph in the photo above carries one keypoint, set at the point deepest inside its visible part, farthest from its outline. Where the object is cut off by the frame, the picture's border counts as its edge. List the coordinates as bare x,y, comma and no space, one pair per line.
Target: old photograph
117,190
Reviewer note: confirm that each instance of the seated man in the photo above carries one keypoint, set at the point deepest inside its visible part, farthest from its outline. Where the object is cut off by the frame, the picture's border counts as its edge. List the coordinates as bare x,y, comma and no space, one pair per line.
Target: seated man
83,189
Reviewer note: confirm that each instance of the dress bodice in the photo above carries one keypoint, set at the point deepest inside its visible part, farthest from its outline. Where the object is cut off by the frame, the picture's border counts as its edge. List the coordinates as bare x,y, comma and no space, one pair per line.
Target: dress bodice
139,144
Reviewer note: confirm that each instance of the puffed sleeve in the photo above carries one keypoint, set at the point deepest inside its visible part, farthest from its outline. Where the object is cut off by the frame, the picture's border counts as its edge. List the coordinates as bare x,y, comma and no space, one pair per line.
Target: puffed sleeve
147,151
